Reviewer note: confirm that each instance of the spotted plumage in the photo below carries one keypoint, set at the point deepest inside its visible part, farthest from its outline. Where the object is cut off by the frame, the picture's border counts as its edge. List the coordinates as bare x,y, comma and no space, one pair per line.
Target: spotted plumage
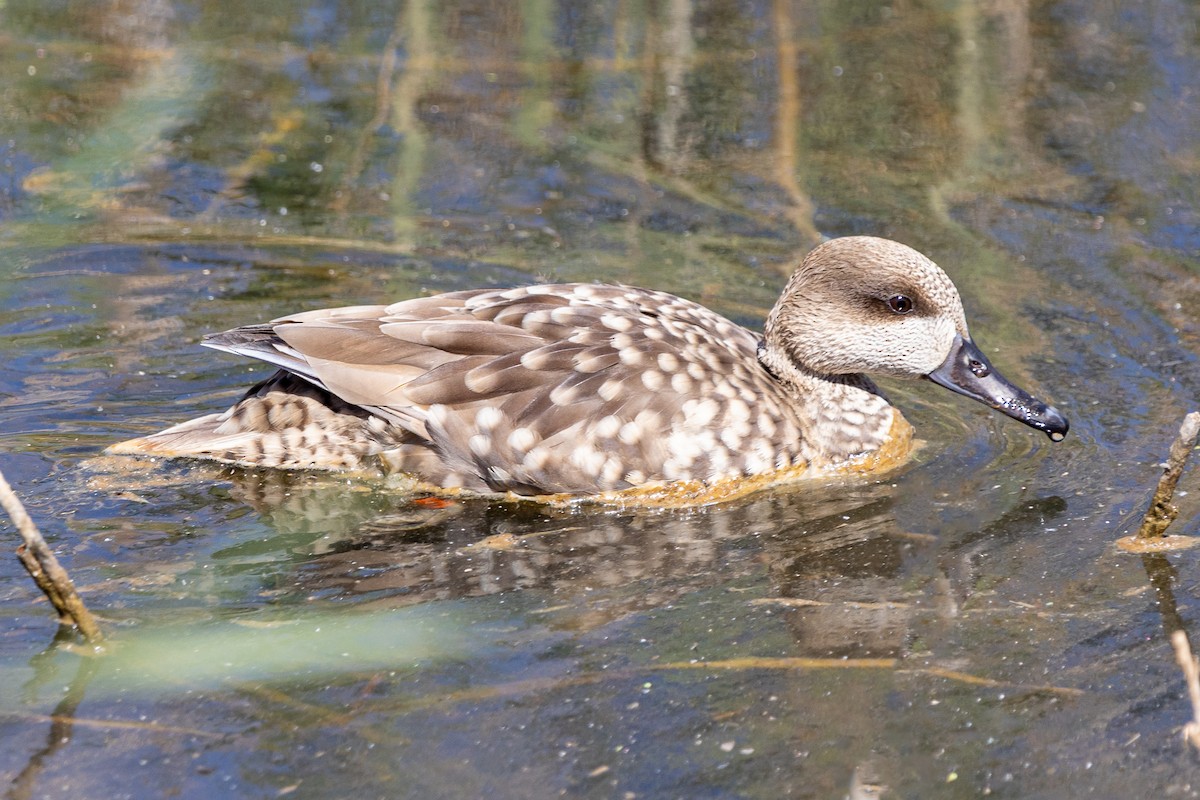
581,389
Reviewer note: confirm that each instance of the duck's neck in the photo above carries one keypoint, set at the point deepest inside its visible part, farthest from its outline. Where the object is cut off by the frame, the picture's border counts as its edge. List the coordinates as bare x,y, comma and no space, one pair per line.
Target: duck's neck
849,415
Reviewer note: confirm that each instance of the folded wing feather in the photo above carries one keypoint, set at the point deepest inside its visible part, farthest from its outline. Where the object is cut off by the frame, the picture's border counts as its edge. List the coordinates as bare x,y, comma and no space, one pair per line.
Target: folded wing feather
542,388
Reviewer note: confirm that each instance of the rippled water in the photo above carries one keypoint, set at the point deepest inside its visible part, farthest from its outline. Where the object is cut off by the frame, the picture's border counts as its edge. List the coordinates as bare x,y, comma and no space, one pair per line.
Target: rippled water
961,627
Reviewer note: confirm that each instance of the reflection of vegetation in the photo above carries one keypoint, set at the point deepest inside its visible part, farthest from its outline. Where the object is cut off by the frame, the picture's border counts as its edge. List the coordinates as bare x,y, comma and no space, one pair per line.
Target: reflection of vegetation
414,148
787,124
666,143
881,118
130,142
536,112
62,718
678,97
727,101
307,137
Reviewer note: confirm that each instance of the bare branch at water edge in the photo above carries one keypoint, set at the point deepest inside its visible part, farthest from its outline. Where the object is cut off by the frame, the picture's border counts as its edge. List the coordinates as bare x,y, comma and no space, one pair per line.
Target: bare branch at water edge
43,567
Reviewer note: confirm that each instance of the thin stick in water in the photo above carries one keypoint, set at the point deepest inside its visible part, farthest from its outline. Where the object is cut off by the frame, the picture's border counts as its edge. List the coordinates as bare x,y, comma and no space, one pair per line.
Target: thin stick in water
1161,512
1191,674
45,570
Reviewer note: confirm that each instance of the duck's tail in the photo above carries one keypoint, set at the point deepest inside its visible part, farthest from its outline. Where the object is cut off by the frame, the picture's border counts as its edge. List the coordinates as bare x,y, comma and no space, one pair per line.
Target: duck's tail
286,422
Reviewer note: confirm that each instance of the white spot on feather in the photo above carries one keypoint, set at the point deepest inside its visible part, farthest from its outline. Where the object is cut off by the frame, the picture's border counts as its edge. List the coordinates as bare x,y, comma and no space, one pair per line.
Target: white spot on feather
761,457
613,469
853,418
611,389
700,413
766,425
521,439
630,433
607,427
488,418
480,445
616,322
648,420
737,410
592,361
563,395
537,458
683,447
653,380
719,463
674,471
438,414
535,359
589,460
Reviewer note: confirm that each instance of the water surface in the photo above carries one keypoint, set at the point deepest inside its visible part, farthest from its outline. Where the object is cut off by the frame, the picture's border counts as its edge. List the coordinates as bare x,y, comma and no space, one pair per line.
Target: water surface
961,627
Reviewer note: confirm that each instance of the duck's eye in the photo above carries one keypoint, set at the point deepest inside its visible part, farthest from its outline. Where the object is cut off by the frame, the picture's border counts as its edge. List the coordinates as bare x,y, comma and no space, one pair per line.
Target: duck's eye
901,304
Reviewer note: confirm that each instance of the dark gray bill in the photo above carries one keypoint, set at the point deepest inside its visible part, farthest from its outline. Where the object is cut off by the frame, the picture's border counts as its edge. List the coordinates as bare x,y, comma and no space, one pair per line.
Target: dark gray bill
967,371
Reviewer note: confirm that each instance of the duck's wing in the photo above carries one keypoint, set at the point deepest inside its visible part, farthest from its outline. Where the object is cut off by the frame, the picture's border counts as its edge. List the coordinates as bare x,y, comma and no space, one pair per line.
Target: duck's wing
568,388
367,355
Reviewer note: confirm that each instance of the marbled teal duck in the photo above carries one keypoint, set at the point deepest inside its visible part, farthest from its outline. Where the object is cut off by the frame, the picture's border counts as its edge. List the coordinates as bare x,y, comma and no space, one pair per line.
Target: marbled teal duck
584,389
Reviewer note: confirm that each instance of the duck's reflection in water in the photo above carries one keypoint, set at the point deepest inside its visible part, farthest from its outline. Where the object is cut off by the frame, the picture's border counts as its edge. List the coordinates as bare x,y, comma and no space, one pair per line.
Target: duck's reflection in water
831,558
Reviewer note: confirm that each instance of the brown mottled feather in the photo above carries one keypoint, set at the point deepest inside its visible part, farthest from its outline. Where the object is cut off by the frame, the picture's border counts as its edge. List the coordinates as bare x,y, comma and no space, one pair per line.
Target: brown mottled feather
536,360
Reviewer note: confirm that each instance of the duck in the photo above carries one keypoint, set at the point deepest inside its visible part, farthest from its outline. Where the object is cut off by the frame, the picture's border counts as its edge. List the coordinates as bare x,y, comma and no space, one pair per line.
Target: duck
584,389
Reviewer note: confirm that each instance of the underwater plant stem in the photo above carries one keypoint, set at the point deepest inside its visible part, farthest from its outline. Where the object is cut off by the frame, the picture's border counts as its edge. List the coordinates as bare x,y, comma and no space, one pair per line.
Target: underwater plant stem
43,567
1191,674
1161,513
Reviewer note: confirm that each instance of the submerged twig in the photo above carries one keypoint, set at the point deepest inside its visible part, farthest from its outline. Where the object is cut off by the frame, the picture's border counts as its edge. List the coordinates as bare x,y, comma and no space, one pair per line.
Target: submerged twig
1161,512
1191,674
740,664
113,724
975,680
45,570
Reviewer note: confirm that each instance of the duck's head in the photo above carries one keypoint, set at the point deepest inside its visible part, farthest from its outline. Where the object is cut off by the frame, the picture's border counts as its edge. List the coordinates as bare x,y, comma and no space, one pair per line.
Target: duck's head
863,305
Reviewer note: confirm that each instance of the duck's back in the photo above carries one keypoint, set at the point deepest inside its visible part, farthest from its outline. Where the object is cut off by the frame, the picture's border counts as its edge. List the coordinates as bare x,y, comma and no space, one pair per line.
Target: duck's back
571,388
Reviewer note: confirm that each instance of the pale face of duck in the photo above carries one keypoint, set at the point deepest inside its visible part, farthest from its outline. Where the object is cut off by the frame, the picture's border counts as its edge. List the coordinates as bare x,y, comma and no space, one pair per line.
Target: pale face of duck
866,305
863,305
